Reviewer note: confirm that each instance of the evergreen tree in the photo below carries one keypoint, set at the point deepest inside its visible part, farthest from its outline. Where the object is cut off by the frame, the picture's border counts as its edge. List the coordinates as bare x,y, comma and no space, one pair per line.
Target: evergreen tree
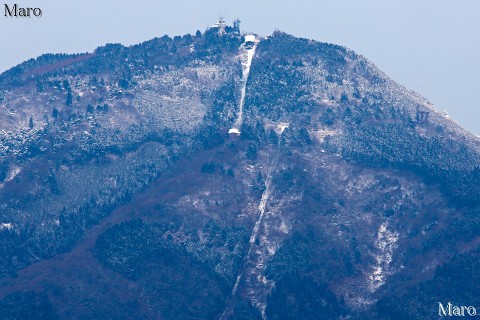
69,99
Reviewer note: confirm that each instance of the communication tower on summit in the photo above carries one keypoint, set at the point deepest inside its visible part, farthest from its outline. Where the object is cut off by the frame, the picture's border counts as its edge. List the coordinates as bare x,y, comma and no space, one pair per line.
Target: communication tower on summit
221,25
236,27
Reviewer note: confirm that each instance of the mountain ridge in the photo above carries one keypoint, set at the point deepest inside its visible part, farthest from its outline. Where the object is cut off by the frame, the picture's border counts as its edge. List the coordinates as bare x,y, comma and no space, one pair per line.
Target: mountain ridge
341,181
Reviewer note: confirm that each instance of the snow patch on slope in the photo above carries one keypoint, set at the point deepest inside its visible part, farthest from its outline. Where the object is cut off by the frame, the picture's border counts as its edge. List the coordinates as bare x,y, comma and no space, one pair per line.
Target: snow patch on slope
13,173
6,226
385,243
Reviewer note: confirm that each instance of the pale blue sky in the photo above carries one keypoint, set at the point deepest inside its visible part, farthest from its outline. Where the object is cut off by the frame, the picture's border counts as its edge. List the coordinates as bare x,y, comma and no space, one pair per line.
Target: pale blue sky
430,46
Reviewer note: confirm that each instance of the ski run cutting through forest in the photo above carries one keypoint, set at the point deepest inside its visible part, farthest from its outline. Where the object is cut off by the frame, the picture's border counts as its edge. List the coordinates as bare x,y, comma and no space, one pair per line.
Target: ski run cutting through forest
253,237
246,57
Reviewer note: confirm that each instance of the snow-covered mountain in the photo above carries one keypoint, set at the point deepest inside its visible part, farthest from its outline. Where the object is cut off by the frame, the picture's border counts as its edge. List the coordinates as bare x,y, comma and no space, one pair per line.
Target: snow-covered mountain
224,176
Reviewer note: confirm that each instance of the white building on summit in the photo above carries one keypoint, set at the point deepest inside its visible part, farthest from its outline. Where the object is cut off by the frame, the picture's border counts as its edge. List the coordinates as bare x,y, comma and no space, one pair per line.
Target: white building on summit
249,41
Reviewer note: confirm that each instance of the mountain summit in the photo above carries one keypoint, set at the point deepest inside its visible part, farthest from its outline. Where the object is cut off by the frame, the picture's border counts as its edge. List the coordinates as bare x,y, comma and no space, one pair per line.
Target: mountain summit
229,176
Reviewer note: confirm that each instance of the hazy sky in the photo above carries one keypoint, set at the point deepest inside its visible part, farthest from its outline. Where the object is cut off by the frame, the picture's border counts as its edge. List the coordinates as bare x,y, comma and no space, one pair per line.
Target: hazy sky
430,46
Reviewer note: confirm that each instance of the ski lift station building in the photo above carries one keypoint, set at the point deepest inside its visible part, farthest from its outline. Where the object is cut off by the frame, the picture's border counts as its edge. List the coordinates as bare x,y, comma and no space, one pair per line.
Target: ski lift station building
249,41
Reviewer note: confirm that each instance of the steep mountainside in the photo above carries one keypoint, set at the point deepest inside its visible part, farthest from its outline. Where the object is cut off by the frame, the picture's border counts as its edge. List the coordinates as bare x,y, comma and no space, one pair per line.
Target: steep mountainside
205,177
